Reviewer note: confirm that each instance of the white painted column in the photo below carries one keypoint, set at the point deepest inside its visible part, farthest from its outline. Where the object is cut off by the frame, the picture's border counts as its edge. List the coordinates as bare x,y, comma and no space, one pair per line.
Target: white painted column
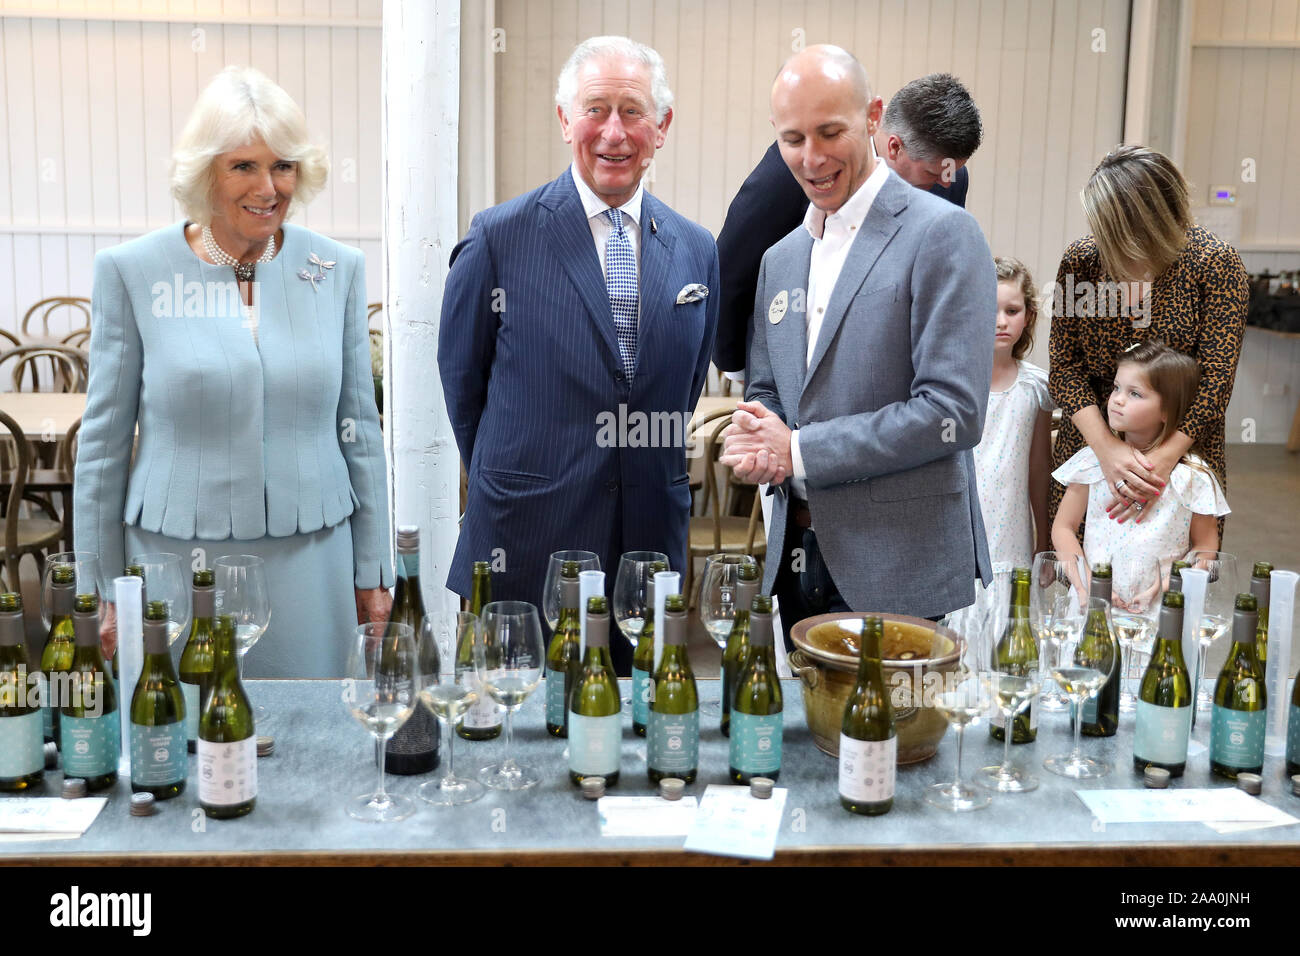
1141,62
481,42
421,96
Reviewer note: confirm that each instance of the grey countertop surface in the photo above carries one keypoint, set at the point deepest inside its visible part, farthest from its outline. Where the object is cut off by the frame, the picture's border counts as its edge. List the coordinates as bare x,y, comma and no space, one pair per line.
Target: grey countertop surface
323,757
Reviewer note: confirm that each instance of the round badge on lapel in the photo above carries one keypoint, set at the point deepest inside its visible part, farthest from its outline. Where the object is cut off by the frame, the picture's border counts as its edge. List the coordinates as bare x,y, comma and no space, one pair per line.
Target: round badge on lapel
776,311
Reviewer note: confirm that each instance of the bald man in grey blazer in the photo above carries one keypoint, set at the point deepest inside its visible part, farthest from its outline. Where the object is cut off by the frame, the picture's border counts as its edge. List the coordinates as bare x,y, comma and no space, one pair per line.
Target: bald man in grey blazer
869,369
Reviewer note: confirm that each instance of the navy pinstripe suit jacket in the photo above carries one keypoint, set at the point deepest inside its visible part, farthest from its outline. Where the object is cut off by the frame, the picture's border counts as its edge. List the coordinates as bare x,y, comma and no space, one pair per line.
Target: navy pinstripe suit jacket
529,362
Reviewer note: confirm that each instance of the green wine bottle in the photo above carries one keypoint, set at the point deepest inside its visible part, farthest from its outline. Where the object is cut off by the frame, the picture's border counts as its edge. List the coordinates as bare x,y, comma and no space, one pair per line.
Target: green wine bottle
1164,707
868,741
643,656
1237,722
757,711
483,720
227,751
1259,586
60,645
1293,731
673,735
595,708
1098,648
413,749
733,655
1176,575
1017,654
565,653
88,720
196,659
159,761
22,758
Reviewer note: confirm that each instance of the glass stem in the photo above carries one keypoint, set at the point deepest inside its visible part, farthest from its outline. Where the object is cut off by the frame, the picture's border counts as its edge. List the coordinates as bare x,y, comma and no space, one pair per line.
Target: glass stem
450,727
1077,756
1006,748
510,736
961,735
380,796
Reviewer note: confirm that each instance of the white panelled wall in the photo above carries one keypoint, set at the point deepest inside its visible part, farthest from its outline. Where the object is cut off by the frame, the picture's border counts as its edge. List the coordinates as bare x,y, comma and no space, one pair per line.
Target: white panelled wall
93,94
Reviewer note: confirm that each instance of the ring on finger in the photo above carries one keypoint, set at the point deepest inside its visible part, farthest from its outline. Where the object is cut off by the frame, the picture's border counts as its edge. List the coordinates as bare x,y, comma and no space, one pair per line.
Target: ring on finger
1119,485
1138,506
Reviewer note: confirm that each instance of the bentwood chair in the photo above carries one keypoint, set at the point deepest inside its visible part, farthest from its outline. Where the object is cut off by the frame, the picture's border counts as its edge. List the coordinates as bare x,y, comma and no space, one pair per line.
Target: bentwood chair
39,316
22,536
50,368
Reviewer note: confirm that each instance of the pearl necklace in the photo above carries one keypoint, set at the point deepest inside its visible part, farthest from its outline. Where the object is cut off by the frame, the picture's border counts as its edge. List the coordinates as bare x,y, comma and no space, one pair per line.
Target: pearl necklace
243,271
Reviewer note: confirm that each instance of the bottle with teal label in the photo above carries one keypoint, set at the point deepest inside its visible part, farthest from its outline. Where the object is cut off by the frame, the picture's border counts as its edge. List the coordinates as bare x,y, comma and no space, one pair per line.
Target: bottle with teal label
595,707
757,711
1237,723
673,735
22,736
60,645
196,659
565,653
88,721
1164,707
643,656
159,757
733,655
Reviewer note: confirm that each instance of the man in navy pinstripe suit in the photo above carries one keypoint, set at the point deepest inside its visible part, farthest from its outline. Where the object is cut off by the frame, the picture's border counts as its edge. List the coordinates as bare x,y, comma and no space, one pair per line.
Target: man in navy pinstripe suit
582,301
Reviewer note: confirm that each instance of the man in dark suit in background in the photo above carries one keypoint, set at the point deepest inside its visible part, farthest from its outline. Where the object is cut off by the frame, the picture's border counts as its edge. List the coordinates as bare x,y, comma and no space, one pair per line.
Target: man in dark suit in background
930,129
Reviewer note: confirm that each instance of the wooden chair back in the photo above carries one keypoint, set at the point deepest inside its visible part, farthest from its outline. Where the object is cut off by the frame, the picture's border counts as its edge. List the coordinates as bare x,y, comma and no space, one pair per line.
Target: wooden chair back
39,314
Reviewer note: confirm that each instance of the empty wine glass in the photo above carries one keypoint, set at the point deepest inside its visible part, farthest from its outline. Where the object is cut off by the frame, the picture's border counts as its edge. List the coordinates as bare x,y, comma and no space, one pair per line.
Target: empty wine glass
962,706
1011,689
587,561
1136,587
1216,617
164,580
1079,683
509,662
630,610
1053,578
448,695
380,689
242,592
86,568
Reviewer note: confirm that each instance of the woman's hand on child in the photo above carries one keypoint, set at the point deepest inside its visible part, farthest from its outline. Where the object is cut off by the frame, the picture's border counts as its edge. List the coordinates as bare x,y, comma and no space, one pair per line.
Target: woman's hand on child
1134,479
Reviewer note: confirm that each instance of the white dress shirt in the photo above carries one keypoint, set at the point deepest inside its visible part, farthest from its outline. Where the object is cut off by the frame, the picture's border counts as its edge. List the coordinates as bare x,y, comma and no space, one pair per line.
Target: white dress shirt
601,229
833,235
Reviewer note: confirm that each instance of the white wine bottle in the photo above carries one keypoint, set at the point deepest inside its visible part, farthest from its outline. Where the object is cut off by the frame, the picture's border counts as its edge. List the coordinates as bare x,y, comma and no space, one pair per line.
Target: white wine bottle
643,657
1240,715
733,655
413,749
595,708
565,653
22,758
868,741
757,711
159,757
673,734
196,659
60,645
1164,707
89,725
1017,655
483,720
1099,649
1260,576
227,739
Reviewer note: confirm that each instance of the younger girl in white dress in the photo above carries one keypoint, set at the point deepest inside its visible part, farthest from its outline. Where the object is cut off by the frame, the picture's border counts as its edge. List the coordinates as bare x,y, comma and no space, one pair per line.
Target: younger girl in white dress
1154,385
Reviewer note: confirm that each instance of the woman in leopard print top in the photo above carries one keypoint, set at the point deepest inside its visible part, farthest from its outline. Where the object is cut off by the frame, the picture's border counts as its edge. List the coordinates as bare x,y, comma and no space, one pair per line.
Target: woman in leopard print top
1146,272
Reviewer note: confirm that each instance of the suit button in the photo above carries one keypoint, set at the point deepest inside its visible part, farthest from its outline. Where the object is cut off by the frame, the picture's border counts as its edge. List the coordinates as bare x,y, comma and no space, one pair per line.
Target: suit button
618,376
611,485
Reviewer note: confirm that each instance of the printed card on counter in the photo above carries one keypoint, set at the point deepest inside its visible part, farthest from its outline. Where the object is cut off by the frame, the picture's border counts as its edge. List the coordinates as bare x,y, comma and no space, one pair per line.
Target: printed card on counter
47,818
645,816
730,822
1227,806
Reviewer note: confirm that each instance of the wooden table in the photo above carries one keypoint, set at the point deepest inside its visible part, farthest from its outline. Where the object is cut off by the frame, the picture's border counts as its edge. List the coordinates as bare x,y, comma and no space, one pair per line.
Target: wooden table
44,416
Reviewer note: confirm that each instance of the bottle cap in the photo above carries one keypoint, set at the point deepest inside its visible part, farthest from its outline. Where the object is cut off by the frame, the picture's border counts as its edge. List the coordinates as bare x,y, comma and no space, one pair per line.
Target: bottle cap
265,746
408,538
204,578
1295,785
51,755
1252,783
671,788
761,787
74,788
11,601
593,788
142,804
1157,778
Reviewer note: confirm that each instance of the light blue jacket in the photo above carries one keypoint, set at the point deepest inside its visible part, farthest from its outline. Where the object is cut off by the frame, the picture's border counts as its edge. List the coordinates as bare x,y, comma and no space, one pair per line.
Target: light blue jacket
236,439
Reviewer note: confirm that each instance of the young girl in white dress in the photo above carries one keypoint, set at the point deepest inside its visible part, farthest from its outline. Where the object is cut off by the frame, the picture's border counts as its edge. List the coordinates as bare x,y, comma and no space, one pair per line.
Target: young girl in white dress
1154,385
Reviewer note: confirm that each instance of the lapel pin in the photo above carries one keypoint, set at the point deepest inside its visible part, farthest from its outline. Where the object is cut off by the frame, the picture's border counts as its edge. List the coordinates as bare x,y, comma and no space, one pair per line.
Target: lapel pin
654,226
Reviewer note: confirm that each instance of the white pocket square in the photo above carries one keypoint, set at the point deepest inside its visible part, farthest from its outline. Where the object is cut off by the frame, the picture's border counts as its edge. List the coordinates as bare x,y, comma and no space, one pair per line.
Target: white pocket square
695,292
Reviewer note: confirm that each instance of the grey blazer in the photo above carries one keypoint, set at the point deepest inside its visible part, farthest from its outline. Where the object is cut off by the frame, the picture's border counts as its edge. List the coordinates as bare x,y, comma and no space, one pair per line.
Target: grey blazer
891,403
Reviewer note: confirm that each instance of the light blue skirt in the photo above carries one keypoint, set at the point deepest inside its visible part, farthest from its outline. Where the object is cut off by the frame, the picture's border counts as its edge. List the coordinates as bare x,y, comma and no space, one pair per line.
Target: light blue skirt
313,605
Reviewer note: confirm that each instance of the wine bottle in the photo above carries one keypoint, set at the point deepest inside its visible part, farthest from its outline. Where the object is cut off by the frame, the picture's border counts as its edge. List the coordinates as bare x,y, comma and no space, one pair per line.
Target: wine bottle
483,720
196,659
1259,586
89,728
22,758
413,749
757,711
1176,575
1237,722
1293,731
643,656
868,741
60,645
1164,706
1098,649
565,653
595,708
733,655
227,749
1017,654
159,761
673,734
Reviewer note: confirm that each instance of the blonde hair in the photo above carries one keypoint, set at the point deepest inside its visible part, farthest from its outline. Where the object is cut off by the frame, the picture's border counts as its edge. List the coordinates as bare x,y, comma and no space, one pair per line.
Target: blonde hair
1173,375
239,106
1137,207
1010,269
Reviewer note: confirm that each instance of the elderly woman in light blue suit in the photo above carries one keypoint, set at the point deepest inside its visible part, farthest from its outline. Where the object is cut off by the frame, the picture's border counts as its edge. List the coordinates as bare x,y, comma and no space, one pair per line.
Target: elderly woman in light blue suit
237,344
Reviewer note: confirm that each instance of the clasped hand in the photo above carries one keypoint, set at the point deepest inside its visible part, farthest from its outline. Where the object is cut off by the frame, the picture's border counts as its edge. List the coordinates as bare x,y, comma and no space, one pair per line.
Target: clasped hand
756,445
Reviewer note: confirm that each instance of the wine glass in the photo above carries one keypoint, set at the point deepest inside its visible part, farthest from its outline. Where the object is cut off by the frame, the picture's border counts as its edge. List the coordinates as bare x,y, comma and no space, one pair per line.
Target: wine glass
380,689
1136,588
630,610
587,561
1080,683
1011,689
962,706
448,696
86,569
717,604
164,580
242,592
509,662
1055,584
1216,617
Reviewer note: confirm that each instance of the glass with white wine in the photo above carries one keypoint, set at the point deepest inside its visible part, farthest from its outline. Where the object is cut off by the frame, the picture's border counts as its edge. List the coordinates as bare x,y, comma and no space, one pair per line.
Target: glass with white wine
449,696
1136,589
631,609
1220,593
587,561
509,663
1079,683
718,603
380,689
962,706
1056,580
1012,677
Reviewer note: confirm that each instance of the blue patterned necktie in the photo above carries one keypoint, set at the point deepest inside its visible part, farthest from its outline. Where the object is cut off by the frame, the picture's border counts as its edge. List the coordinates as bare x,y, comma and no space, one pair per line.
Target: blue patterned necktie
620,280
